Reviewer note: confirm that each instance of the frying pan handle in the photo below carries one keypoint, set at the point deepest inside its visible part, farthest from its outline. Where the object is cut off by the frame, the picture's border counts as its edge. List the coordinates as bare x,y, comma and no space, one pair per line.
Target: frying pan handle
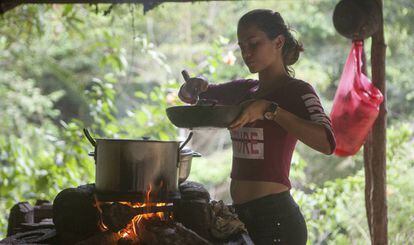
190,135
186,76
207,102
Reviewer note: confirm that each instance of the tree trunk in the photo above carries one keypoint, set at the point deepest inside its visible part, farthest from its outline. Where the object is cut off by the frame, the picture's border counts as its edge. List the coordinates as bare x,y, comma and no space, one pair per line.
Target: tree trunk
375,148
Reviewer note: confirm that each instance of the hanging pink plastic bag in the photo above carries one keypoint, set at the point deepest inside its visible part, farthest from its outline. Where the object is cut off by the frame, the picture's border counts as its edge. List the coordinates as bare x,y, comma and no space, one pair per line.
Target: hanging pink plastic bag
356,105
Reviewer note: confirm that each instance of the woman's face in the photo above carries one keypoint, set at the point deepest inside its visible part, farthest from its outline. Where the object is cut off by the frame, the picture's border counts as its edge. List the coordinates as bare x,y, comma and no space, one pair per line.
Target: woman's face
258,51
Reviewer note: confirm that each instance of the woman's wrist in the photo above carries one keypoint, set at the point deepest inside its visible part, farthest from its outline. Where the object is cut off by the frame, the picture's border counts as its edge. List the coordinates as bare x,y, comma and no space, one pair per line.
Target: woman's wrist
271,111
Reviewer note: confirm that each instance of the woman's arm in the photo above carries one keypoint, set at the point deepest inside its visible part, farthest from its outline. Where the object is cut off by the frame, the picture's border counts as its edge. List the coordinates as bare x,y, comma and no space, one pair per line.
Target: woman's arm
311,133
229,93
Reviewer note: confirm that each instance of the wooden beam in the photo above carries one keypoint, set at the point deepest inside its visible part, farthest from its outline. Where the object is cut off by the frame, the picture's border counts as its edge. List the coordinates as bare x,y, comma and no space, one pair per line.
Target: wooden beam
114,1
148,4
375,147
6,6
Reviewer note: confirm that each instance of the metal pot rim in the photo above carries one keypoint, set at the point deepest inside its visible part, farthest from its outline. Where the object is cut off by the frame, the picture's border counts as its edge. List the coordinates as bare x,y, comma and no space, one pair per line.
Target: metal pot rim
137,140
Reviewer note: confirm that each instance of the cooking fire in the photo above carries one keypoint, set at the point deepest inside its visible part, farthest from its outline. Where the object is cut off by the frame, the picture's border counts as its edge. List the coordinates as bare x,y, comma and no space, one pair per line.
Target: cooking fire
84,216
127,218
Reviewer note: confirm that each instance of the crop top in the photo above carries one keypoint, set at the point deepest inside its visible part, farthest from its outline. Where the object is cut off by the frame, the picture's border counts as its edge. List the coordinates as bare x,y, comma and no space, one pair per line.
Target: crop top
262,150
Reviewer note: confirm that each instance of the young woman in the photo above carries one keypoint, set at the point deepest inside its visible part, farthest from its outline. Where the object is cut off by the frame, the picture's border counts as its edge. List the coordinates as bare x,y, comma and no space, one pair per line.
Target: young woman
278,111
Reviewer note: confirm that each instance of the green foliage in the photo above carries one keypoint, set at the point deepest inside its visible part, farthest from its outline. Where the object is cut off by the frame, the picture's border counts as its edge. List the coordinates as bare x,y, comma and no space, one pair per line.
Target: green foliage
115,71
38,157
335,211
212,169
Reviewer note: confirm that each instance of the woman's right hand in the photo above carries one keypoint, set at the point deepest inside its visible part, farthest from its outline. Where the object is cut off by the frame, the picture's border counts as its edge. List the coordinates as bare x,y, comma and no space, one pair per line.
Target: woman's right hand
192,88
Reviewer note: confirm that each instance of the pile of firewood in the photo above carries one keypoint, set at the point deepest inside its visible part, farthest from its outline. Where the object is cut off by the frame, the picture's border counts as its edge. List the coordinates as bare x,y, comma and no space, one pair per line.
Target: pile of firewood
30,224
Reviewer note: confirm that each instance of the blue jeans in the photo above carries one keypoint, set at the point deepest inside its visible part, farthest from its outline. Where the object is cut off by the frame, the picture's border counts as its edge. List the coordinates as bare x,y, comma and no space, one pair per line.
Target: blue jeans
273,219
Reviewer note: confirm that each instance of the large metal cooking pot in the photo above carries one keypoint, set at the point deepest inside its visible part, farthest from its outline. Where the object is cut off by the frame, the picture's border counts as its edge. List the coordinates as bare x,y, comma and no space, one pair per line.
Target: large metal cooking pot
125,166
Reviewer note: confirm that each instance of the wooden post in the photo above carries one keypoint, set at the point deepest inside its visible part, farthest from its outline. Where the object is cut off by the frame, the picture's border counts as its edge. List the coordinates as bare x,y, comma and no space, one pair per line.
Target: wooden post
375,147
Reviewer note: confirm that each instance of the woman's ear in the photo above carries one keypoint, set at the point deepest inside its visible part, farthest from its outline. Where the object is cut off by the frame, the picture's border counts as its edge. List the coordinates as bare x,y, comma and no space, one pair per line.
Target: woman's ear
279,41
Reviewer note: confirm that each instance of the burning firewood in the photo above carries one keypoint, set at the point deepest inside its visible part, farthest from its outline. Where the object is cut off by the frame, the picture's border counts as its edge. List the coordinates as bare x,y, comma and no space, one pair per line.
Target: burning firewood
154,231
117,216
106,237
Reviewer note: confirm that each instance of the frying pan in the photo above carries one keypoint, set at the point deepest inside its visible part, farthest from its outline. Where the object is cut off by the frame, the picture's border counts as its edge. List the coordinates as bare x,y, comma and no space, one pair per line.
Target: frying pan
205,113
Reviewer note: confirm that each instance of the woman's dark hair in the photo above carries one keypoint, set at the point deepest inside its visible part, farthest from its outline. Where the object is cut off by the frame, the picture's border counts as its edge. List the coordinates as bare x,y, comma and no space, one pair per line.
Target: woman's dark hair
273,25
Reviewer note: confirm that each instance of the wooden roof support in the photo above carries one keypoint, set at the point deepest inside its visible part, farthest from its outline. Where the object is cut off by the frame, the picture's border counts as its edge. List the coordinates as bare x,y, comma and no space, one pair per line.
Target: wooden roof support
148,4
6,6
375,147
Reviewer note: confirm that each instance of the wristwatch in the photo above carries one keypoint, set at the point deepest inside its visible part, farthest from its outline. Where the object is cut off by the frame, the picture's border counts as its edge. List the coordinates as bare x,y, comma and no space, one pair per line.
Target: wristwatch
271,111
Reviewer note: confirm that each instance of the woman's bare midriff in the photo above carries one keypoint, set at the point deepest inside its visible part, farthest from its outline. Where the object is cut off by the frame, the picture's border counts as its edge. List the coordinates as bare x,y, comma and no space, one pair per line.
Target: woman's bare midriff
243,191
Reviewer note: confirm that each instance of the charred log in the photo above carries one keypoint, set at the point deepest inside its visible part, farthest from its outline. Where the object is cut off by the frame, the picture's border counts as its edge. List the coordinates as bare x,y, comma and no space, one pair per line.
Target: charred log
212,220
157,232
193,191
195,215
194,203
20,213
42,236
44,224
42,210
75,214
106,237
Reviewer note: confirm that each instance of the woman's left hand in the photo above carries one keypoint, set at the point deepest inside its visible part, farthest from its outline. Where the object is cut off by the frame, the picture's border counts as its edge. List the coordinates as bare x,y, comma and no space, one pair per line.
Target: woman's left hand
252,111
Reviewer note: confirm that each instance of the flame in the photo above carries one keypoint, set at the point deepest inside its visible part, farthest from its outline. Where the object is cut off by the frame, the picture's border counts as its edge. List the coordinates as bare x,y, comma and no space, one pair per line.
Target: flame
101,224
131,232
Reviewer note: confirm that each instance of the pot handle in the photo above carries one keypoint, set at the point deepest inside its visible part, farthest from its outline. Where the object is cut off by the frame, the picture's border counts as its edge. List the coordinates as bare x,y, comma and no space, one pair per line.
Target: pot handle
93,142
190,135
196,154
89,137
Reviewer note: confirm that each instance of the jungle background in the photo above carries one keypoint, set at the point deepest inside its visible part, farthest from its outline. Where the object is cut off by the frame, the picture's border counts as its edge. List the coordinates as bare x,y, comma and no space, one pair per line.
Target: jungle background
115,70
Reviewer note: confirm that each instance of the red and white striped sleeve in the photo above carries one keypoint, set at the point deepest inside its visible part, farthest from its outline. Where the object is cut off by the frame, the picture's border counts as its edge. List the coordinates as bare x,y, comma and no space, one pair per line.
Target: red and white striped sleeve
310,108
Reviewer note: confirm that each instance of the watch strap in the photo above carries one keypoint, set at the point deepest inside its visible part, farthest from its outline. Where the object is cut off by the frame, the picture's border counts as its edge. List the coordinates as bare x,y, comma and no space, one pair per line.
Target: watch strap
272,107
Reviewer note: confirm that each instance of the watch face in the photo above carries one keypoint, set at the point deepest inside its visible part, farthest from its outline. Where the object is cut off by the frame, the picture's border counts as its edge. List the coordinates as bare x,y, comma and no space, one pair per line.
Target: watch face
272,107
